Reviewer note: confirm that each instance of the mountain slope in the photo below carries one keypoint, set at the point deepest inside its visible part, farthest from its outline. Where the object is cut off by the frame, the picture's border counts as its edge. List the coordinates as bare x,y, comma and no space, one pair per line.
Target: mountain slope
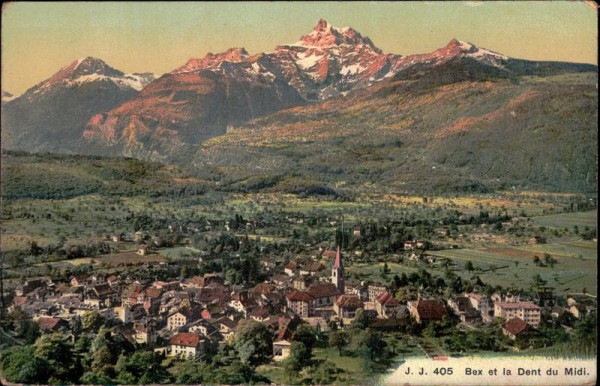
201,99
204,97
420,134
185,107
51,115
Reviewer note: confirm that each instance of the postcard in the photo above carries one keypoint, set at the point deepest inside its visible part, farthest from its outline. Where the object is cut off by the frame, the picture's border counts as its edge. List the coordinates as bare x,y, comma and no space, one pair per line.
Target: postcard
365,193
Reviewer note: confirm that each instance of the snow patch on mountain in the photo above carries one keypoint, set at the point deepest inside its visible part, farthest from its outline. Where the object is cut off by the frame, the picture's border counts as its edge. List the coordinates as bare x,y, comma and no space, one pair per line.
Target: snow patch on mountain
352,70
309,61
135,82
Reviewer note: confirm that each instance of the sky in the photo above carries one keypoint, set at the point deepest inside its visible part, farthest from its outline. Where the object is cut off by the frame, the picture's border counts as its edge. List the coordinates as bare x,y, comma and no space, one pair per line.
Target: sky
40,38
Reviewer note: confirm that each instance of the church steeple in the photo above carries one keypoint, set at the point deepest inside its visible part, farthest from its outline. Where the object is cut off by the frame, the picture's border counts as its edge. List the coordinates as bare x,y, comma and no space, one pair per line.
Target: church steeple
337,272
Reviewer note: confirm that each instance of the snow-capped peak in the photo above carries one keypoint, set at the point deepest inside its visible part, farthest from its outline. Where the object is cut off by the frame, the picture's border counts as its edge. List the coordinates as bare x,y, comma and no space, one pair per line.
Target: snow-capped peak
326,35
90,69
457,47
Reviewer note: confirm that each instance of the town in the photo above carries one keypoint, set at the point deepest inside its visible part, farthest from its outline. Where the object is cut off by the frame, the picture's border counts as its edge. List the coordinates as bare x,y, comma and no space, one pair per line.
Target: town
303,312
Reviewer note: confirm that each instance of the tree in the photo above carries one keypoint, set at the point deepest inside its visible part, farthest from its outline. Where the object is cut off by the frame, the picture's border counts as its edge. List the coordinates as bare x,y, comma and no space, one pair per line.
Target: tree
538,281
386,269
191,372
360,321
369,344
338,339
141,368
297,359
20,365
324,373
469,266
308,335
57,351
254,342
92,321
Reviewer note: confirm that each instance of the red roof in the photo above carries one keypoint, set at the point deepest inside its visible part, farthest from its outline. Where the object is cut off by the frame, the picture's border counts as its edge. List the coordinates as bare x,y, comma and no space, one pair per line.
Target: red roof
431,309
324,290
329,254
518,305
291,265
299,296
187,339
387,300
264,288
260,312
349,301
20,300
516,326
48,323
153,293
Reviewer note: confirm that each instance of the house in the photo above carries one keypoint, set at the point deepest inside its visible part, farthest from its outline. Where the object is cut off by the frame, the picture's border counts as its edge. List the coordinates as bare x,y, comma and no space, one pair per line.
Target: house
166,286
143,250
182,317
112,281
311,269
463,307
143,333
324,294
267,263
346,305
29,286
106,294
185,345
259,314
301,303
386,305
226,327
300,283
77,281
290,268
242,302
526,311
577,310
480,302
202,281
203,328
117,237
51,324
281,350
139,236
515,327
212,311
281,281
263,289
305,303
375,291
410,245
359,290
425,311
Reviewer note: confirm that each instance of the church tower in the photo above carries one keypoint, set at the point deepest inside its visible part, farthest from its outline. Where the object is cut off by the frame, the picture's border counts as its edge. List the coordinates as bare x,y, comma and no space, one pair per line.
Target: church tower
337,272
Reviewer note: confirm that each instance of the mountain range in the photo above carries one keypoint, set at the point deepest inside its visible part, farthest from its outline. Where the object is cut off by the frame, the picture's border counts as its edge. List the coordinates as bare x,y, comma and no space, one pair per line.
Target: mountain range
300,112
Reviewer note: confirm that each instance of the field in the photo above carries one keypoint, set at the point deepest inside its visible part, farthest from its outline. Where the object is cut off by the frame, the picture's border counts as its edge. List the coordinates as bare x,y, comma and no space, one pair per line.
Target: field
513,267
569,220
114,260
